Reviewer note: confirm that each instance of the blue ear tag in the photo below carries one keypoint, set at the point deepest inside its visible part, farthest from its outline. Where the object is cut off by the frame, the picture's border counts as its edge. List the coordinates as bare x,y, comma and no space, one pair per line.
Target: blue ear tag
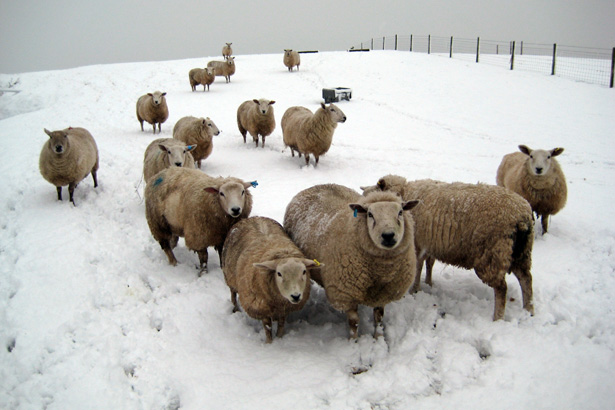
254,184
355,213
189,147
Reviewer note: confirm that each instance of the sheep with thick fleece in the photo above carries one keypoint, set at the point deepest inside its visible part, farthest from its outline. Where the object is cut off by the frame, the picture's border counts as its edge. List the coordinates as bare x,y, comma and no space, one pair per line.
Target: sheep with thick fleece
224,68
199,132
152,107
256,117
202,209
204,76
310,133
366,246
163,153
227,51
536,176
474,226
265,268
291,59
67,158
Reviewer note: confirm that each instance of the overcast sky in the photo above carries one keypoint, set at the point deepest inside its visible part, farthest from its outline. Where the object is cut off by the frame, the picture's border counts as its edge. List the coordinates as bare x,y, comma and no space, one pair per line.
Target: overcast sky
38,35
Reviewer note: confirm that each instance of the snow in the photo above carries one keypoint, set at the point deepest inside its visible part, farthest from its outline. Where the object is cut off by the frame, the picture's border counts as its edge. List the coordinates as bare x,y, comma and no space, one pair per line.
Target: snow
92,316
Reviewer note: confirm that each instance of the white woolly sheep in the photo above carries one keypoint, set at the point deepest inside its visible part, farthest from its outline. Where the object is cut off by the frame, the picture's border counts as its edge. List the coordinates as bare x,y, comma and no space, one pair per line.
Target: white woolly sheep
202,209
265,268
199,132
536,176
204,76
152,107
292,59
367,258
227,51
67,158
224,68
164,153
256,117
309,133
473,226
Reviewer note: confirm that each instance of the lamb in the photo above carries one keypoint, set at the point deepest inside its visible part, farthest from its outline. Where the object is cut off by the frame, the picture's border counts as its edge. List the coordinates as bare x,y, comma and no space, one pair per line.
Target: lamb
474,226
164,153
537,177
291,59
152,107
199,132
202,209
256,117
67,158
204,76
227,51
367,258
224,68
309,133
267,270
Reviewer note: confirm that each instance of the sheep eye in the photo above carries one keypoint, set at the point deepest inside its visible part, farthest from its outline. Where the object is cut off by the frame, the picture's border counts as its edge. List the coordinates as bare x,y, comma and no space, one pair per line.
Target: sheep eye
400,213
222,194
243,192
549,157
279,274
370,215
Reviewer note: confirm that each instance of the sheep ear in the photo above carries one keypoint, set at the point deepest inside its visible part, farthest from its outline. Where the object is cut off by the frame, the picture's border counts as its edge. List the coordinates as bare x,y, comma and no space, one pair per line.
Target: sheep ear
191,147
323,105
269,265
251,184
271,102
363,188
357,208
256,101
150,94
556,151
312,263
525,149
382,184
162,147
47,132
408,205
211,190
163,94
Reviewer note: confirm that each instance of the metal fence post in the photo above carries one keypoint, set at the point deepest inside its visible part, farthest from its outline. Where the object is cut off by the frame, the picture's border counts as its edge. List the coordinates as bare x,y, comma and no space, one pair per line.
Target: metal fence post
553,63
395,42
410,42
383,38
450,53
612,67
477,48
429,44
512,55
372,43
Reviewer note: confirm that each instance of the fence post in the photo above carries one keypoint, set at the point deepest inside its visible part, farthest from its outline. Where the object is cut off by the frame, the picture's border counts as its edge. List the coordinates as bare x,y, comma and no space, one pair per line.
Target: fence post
383,42
512,55
612,67
477,48
554,54
450,53
521,48
429,44
395,42
410,42
372,43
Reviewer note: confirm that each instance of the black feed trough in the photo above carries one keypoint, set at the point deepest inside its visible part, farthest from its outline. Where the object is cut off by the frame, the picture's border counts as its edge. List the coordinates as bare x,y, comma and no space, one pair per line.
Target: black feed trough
336,94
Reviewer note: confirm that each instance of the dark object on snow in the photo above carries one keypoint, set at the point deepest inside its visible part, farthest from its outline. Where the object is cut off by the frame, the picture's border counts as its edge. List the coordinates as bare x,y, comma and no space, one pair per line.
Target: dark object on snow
336,94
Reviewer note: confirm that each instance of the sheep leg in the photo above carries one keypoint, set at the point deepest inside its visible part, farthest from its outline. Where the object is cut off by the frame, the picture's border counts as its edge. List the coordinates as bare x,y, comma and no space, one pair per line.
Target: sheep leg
316,158
263,145
544,220
267,325
499,289
218,249
94,178
525,280
71,191
203,256
419,268
234,300
378,326
281,323
141,121
428,270
59,191
353,322
166,247
159,127
154,125
307,159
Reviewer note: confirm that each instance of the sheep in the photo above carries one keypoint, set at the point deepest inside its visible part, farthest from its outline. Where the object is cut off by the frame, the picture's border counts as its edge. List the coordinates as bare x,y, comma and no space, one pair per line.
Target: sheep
291,59
267,270
537,177
224,68
152,107
309,133
189,203
256,117
227,51
367,258
199,132
204,76
67,158
473,226
164,153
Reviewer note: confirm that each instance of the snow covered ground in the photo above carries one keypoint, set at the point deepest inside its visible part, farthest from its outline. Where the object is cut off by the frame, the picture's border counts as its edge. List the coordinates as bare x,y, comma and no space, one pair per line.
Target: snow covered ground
93,317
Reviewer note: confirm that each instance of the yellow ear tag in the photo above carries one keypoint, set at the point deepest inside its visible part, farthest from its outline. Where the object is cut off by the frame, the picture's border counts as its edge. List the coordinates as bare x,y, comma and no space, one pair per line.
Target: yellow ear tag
316,262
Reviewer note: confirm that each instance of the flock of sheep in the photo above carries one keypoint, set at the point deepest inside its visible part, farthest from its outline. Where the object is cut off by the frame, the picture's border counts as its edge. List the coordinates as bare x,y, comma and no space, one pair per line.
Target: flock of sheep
363,249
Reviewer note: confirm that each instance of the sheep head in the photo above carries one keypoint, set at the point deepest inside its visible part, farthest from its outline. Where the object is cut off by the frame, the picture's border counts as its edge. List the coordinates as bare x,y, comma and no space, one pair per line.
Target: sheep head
263,105
58,141
175,155
232,196
157,97
539,160
334,112
290,275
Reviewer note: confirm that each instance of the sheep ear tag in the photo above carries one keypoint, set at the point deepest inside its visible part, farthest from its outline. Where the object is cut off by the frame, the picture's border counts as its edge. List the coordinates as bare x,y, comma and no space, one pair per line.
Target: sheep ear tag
356,213
254,184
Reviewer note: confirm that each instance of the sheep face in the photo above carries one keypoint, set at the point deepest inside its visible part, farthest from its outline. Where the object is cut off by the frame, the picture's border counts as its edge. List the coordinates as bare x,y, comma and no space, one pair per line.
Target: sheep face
210,71
290,275
175,155
58,141
539,161
157,97
385,221
231,61
232,197
334,112
212,128
264,105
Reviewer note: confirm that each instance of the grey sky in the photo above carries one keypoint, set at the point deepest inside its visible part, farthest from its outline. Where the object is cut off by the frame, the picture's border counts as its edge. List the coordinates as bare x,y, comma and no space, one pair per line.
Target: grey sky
38,35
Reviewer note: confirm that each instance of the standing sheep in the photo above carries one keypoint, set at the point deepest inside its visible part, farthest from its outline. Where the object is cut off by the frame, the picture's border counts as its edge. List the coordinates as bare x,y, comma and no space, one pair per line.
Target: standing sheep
204,76
267,270
474,226
152,107
186,202
537,177
256,117
309,133
291,59
199,132
367,258
227,51
67,158
224,68
164,153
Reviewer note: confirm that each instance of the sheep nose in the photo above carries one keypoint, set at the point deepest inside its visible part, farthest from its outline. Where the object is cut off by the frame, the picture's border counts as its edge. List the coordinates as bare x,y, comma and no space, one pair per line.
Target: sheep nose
295,298
388,239
538,170
236,211
59,148
178,164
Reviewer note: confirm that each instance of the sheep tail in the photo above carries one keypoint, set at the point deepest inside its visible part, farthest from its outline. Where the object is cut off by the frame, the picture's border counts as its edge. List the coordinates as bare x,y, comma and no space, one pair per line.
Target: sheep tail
521,240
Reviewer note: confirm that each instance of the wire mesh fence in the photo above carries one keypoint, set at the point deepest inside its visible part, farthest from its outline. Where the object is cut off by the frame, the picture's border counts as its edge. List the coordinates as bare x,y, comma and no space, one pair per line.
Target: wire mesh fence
592,65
